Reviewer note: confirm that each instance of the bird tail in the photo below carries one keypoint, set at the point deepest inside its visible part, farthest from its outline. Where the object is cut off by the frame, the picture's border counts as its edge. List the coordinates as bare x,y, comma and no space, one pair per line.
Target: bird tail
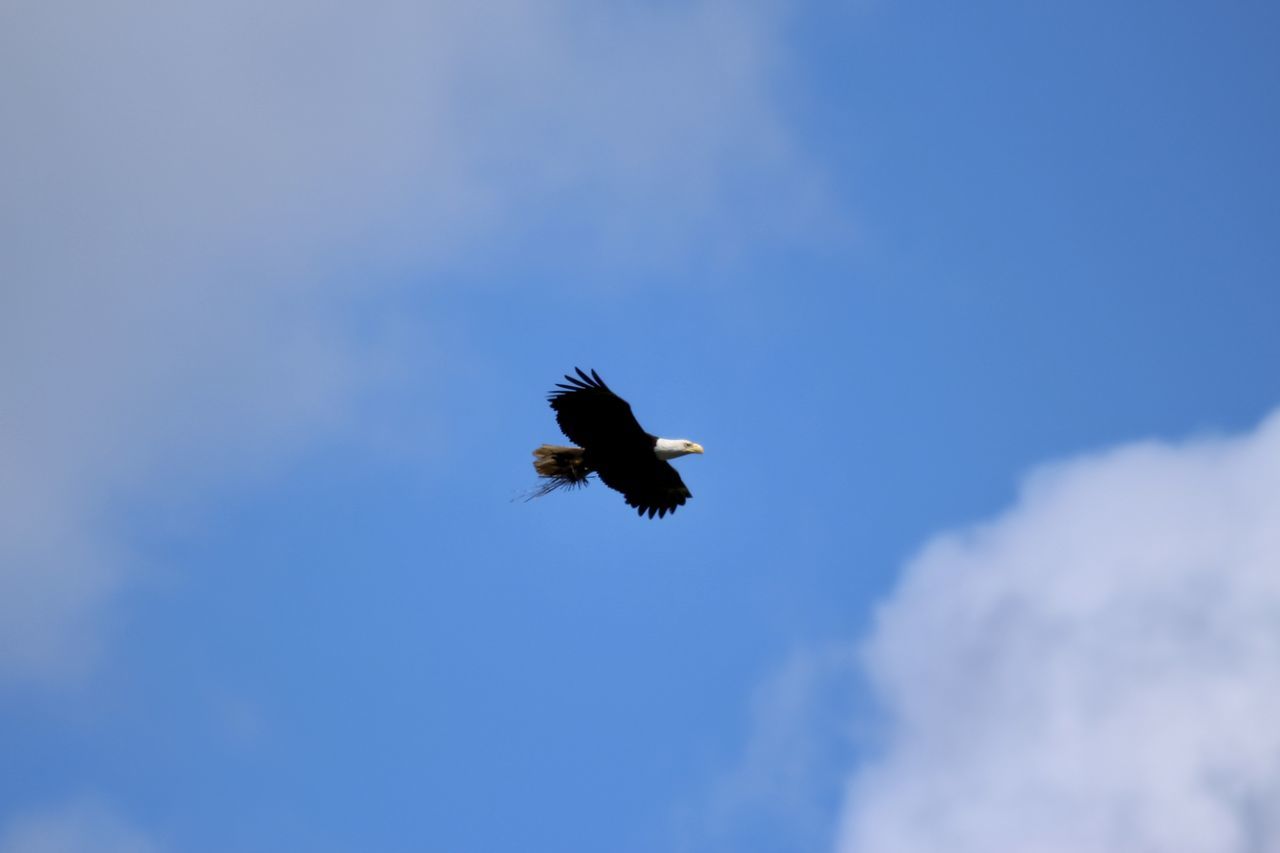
561,467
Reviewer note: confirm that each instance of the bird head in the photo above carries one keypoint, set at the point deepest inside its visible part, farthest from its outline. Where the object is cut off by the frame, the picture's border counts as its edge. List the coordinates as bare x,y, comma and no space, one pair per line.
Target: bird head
670,448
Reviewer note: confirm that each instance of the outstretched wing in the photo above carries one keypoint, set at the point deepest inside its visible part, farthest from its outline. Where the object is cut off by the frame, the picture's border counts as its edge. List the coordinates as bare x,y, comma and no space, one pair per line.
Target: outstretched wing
594,417
617,448
649,484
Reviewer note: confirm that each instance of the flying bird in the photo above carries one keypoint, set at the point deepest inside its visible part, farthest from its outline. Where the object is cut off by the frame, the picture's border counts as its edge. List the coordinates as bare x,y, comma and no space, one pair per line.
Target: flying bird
611,445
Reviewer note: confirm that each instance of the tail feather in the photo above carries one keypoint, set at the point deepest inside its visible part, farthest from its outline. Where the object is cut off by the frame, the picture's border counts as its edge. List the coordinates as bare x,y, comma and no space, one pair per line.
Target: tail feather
561,467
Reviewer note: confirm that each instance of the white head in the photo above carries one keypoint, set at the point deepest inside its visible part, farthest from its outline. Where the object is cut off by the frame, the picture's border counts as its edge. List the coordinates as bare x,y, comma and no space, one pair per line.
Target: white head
670,448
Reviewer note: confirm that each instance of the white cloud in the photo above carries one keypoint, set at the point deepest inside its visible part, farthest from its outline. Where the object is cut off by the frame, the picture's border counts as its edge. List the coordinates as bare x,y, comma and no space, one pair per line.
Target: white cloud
1097,669
195,196
83,826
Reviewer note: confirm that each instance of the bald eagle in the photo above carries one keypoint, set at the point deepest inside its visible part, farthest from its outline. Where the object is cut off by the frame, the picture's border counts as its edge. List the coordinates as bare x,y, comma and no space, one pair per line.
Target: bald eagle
612,445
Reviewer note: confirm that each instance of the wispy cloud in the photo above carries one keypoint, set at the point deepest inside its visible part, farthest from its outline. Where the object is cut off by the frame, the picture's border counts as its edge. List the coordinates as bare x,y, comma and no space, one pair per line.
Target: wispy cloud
194,197
780,793
1097,669
81,826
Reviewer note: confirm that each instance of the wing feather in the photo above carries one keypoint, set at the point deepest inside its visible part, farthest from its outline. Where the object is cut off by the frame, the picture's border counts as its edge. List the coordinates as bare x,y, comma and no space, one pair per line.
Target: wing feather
651,487
593,417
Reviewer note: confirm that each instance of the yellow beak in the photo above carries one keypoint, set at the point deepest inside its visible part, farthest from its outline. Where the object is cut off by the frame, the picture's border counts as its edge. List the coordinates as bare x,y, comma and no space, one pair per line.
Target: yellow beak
696,448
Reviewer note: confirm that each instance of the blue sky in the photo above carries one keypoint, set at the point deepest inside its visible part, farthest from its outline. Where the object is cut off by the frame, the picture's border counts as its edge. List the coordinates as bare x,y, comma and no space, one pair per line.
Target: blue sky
973,310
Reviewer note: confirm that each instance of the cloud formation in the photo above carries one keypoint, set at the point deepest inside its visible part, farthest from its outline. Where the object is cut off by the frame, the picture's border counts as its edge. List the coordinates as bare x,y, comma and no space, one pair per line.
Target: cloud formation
1097,669
82,826
195,198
